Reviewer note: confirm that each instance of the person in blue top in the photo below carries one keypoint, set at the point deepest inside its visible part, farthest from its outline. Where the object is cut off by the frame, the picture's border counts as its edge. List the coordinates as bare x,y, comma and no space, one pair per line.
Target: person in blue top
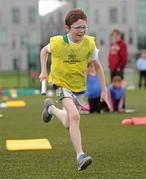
93,91
116,92
141,66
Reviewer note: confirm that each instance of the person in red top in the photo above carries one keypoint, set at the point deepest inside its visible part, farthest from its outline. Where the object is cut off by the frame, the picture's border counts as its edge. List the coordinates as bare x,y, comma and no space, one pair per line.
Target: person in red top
117,58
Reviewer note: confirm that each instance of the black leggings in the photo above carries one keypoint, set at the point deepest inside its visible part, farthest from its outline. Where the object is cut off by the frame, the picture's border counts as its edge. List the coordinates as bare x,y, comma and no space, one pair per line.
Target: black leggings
142,76
94,104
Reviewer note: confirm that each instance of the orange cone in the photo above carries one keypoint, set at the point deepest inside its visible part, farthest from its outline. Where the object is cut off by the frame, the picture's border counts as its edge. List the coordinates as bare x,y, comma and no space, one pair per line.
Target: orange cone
135,121
139,121
127,122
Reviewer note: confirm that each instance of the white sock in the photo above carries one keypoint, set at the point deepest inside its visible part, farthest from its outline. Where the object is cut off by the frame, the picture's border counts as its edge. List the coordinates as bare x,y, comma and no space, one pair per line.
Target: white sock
79,154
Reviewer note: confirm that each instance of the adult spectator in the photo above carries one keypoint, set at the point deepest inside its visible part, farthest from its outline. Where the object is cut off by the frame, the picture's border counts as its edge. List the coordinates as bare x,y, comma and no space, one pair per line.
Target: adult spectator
117,58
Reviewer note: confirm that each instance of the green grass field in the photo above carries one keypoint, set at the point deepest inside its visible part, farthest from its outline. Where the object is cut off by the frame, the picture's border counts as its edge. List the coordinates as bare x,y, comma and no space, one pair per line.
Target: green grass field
118,151
17,80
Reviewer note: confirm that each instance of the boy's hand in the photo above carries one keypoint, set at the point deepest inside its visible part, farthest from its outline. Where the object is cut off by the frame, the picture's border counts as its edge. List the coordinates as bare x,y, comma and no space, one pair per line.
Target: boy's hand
104,98
43,76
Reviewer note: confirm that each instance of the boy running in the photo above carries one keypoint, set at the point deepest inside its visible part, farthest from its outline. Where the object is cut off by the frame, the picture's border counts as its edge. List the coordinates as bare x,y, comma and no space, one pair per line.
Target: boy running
70,55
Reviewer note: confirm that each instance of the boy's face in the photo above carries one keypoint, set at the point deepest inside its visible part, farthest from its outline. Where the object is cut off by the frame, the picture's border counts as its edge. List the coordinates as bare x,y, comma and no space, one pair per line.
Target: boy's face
77,30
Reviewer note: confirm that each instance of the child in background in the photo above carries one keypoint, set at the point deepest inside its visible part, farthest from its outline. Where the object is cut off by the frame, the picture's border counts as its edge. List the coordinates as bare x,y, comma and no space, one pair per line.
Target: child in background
141,65
116,91
93,91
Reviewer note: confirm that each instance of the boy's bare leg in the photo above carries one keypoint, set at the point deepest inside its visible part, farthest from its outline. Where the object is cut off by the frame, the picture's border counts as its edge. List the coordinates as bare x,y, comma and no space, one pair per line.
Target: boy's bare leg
70,118
83,160
74,121
61,114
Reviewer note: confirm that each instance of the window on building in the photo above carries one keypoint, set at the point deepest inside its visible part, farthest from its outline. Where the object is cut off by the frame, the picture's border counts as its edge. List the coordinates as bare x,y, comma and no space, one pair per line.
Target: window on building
141,36
34,37
0,12
0,16
16,15
113,15
96,16
4,37
130,36
141,6
101,36
14,43
16,63
123,35
0,63
24,40
124,12
32,15
142,42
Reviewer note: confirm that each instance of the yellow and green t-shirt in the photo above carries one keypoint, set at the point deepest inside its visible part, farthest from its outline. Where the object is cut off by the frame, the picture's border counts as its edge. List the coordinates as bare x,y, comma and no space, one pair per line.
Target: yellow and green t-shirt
69,62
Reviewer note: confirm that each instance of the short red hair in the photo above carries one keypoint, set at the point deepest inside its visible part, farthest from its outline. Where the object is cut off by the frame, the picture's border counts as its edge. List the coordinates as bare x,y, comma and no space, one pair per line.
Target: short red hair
74,15
117,31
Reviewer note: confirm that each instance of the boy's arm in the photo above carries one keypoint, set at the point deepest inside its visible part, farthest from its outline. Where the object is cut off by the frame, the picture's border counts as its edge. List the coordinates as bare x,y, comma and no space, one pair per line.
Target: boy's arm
104,94
110,98
43,59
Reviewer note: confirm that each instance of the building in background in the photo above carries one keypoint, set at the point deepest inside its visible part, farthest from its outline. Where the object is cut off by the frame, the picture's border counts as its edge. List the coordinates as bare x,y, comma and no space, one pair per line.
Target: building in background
23,31
19,35
53,23
141,23
103,17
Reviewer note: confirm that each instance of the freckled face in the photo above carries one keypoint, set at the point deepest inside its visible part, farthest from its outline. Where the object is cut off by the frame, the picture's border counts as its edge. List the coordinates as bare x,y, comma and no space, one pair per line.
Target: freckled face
78,30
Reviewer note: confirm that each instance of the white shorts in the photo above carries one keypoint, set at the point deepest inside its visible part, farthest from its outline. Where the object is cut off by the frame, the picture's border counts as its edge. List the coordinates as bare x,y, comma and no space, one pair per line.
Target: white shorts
62,93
